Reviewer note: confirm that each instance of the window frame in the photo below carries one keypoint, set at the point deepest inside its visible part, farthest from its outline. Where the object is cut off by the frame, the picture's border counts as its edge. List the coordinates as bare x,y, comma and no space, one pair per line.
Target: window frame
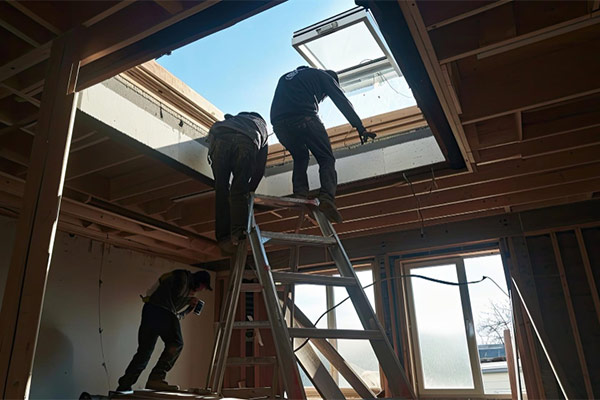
337,23
478,389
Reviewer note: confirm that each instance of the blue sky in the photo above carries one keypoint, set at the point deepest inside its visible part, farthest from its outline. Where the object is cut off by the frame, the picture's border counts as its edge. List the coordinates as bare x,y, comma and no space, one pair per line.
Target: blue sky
237,69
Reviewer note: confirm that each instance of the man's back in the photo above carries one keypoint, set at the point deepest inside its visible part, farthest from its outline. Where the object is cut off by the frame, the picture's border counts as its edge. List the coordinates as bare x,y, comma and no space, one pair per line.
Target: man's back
299,93
248,123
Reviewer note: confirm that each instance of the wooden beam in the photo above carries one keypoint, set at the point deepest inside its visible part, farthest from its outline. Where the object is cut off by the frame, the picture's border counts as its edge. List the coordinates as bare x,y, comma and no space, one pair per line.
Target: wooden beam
503,192
27,60
22,95
22,26
136,184
25,10
488,6
517,41
572,319
108,12
72,209
212,19
571,80
102,156
22,304
171,6
101,38
425,47
541,145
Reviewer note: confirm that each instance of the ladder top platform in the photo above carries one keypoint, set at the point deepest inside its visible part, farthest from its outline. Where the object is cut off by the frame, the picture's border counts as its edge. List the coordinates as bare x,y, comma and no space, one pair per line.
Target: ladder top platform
283,202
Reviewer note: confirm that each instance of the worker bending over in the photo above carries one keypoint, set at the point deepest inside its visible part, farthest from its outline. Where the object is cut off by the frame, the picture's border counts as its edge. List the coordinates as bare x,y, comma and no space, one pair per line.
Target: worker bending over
238,146
298,128
168,301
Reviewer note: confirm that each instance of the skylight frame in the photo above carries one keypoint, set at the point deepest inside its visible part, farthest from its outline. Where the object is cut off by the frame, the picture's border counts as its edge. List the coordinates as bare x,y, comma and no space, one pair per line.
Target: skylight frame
337,23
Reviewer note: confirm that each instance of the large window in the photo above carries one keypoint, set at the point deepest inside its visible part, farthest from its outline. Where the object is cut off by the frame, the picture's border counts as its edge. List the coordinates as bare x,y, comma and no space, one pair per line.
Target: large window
314,300
458,330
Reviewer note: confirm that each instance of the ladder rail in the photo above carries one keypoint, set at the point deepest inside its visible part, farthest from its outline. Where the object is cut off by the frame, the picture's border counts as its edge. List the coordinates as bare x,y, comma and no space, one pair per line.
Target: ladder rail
390,364
223,339
285,354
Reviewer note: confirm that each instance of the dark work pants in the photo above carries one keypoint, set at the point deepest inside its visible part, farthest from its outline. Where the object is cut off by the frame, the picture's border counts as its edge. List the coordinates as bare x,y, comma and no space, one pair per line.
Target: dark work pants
156,322
232,153
299,135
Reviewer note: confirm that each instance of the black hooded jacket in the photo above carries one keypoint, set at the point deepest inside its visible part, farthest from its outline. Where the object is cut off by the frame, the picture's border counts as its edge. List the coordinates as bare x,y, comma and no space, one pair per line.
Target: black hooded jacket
299,92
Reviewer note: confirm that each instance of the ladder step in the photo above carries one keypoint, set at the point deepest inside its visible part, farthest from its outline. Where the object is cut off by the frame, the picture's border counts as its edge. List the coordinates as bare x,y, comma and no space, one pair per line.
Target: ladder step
255,288
297,239
274,201
312,279
251,324
251,360
248,393
316,333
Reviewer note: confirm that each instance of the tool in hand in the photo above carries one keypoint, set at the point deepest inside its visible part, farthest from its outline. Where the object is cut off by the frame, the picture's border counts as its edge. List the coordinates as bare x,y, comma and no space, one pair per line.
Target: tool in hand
366,135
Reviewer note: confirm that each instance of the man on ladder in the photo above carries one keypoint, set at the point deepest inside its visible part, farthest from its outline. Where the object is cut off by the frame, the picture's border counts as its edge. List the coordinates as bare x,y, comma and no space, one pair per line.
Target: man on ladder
298,128
238,146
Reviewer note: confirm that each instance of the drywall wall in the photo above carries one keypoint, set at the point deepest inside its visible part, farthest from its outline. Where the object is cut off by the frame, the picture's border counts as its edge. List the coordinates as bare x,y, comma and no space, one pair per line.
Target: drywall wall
69,357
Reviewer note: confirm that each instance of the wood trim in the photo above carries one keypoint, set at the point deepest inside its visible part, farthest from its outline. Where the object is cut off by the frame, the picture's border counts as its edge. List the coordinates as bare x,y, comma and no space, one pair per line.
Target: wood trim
572,319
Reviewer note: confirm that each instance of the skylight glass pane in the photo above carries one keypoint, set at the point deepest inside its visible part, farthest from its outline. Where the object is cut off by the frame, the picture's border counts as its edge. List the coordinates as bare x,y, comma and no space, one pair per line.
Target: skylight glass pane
348,47
387,92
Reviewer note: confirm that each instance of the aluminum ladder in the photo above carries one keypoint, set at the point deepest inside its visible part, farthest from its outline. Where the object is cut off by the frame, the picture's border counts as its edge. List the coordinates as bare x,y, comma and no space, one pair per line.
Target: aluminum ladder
290,327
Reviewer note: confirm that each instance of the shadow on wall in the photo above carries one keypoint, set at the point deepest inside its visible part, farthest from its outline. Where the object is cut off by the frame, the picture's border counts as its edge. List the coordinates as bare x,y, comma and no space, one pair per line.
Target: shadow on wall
53,366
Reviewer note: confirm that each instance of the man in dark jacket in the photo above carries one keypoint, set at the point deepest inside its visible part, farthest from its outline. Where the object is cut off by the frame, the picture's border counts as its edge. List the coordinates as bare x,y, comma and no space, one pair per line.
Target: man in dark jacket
238,146
298,128
168,301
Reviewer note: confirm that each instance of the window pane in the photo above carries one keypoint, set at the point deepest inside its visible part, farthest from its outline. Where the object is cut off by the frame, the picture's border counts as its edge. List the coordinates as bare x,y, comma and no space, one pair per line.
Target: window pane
358,353
492,315
441,330
312,301
345,48
384,93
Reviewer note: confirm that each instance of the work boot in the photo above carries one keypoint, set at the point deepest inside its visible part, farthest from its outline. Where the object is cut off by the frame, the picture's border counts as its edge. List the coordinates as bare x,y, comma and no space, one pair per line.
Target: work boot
328,208
124,389
160,385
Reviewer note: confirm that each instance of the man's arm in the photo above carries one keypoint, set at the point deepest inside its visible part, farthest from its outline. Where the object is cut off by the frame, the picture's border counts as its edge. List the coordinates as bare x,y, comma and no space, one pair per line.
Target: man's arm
333,90
259,167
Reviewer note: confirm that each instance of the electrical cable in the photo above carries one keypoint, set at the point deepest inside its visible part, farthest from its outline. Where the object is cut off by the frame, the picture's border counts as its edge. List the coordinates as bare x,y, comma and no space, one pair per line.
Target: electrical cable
383,78
100,330
427,278
420,215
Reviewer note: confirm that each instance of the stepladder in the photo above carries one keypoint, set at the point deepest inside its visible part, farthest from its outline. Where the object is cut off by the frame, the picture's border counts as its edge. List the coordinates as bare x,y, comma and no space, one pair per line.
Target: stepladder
298,343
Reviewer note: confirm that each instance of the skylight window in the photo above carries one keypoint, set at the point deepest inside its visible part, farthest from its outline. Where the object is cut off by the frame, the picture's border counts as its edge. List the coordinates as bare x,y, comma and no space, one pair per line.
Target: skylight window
351,44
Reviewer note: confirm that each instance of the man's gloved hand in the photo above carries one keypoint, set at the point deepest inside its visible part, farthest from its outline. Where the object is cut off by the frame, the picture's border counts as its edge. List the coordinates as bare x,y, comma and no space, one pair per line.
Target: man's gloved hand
365,135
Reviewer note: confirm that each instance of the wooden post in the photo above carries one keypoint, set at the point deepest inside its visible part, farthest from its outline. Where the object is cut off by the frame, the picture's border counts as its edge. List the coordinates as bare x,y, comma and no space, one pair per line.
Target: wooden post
30,262
510,362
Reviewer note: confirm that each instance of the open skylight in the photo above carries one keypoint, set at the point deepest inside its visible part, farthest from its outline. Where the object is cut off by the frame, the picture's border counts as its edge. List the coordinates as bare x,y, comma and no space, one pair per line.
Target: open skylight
351,44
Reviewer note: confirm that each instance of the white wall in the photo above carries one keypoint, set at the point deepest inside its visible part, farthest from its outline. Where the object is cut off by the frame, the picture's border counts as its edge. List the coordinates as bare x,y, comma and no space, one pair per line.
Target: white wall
68,357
